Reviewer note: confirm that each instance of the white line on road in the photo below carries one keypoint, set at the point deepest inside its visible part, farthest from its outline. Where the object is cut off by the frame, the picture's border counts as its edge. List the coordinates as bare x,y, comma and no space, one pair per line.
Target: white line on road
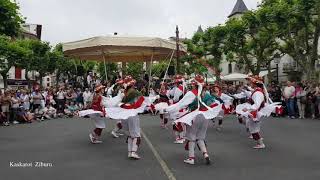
160,160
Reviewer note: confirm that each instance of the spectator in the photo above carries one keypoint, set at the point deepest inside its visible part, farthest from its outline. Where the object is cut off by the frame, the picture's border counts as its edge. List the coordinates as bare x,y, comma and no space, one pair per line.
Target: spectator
15,104
288,94
301,96
49,112
50,98
60,100
5,100
22,116
311,98
71,96
37,97
87,97
89,80
25,98
71,109
79,97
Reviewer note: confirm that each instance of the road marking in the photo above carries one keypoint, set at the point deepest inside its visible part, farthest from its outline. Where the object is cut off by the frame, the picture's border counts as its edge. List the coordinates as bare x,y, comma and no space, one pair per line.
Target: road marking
158,157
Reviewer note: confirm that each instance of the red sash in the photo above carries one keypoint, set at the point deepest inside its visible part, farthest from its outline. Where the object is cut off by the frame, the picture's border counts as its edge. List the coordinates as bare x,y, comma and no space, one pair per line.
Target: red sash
135,105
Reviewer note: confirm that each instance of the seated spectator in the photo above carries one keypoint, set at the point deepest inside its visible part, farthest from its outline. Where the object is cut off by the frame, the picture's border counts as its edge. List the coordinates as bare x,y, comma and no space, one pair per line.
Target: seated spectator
80,106
22,116
39,113
71,109
30,115
49,112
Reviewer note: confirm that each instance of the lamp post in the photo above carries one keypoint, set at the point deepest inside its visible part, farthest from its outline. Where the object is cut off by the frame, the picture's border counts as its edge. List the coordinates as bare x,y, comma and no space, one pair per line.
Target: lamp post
276,60
177,50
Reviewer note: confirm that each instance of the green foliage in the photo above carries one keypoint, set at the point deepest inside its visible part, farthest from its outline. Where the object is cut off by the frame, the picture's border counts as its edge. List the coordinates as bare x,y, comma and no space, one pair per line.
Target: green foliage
159,68
10,19
191,64
298,26
111,68
135,69
11,54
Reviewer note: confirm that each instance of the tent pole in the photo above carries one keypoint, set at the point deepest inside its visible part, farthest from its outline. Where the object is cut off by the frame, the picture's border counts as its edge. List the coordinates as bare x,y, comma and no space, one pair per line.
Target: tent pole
165,75
105,67
150,67
104,63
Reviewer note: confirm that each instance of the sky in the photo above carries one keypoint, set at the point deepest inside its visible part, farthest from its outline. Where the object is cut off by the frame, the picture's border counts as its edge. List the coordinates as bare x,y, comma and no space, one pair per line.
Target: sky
71,20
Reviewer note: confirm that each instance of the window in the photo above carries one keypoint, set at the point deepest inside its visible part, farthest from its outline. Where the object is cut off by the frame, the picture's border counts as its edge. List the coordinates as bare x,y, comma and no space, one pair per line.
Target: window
48,79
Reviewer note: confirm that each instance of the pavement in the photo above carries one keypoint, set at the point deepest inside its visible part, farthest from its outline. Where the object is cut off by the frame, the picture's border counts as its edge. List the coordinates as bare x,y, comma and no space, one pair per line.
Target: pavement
292,152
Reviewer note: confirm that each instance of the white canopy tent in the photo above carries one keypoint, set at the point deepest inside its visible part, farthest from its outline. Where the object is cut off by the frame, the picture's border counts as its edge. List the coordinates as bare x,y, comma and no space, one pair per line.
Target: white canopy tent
234,77
266,72
121,49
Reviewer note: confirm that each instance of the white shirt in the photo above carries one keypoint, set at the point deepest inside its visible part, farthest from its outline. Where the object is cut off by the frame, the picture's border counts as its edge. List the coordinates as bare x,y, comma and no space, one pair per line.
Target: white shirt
89,79
60,95
288,91
87,96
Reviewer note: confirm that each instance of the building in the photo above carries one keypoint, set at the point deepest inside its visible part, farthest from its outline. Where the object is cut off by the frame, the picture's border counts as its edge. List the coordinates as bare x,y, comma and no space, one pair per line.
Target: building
285,66
17,76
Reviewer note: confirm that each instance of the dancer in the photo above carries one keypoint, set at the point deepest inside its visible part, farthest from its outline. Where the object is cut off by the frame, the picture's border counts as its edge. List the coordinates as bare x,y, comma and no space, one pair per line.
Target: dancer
163,103
257,108
226,102
202,108
118,126
133,103
177,93
95,113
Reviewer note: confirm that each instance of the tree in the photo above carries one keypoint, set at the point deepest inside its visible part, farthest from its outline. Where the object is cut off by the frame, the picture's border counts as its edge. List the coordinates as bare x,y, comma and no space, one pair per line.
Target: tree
135,69
298,28
11,54
112,70
159,69
10,18
65,66
206,50
40,59
251,40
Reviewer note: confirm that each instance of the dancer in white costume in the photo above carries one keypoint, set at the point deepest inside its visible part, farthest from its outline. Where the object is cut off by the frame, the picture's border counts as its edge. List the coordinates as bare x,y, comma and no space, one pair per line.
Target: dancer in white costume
118,126
132,104
163,102
226,102
96,113
177,93
202,108
257,108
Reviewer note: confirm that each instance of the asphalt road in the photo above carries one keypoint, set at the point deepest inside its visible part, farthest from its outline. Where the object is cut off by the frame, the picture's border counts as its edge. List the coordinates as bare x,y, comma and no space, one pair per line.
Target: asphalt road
293,152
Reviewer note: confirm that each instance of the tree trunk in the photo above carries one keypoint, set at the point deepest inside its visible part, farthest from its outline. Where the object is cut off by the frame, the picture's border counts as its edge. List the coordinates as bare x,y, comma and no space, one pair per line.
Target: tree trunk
41,79
269,73
5,80
57,78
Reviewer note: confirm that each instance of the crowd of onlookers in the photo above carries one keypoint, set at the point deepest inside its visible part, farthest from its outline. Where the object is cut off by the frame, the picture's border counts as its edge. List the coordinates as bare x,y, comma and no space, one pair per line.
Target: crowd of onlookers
24,105
301,99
